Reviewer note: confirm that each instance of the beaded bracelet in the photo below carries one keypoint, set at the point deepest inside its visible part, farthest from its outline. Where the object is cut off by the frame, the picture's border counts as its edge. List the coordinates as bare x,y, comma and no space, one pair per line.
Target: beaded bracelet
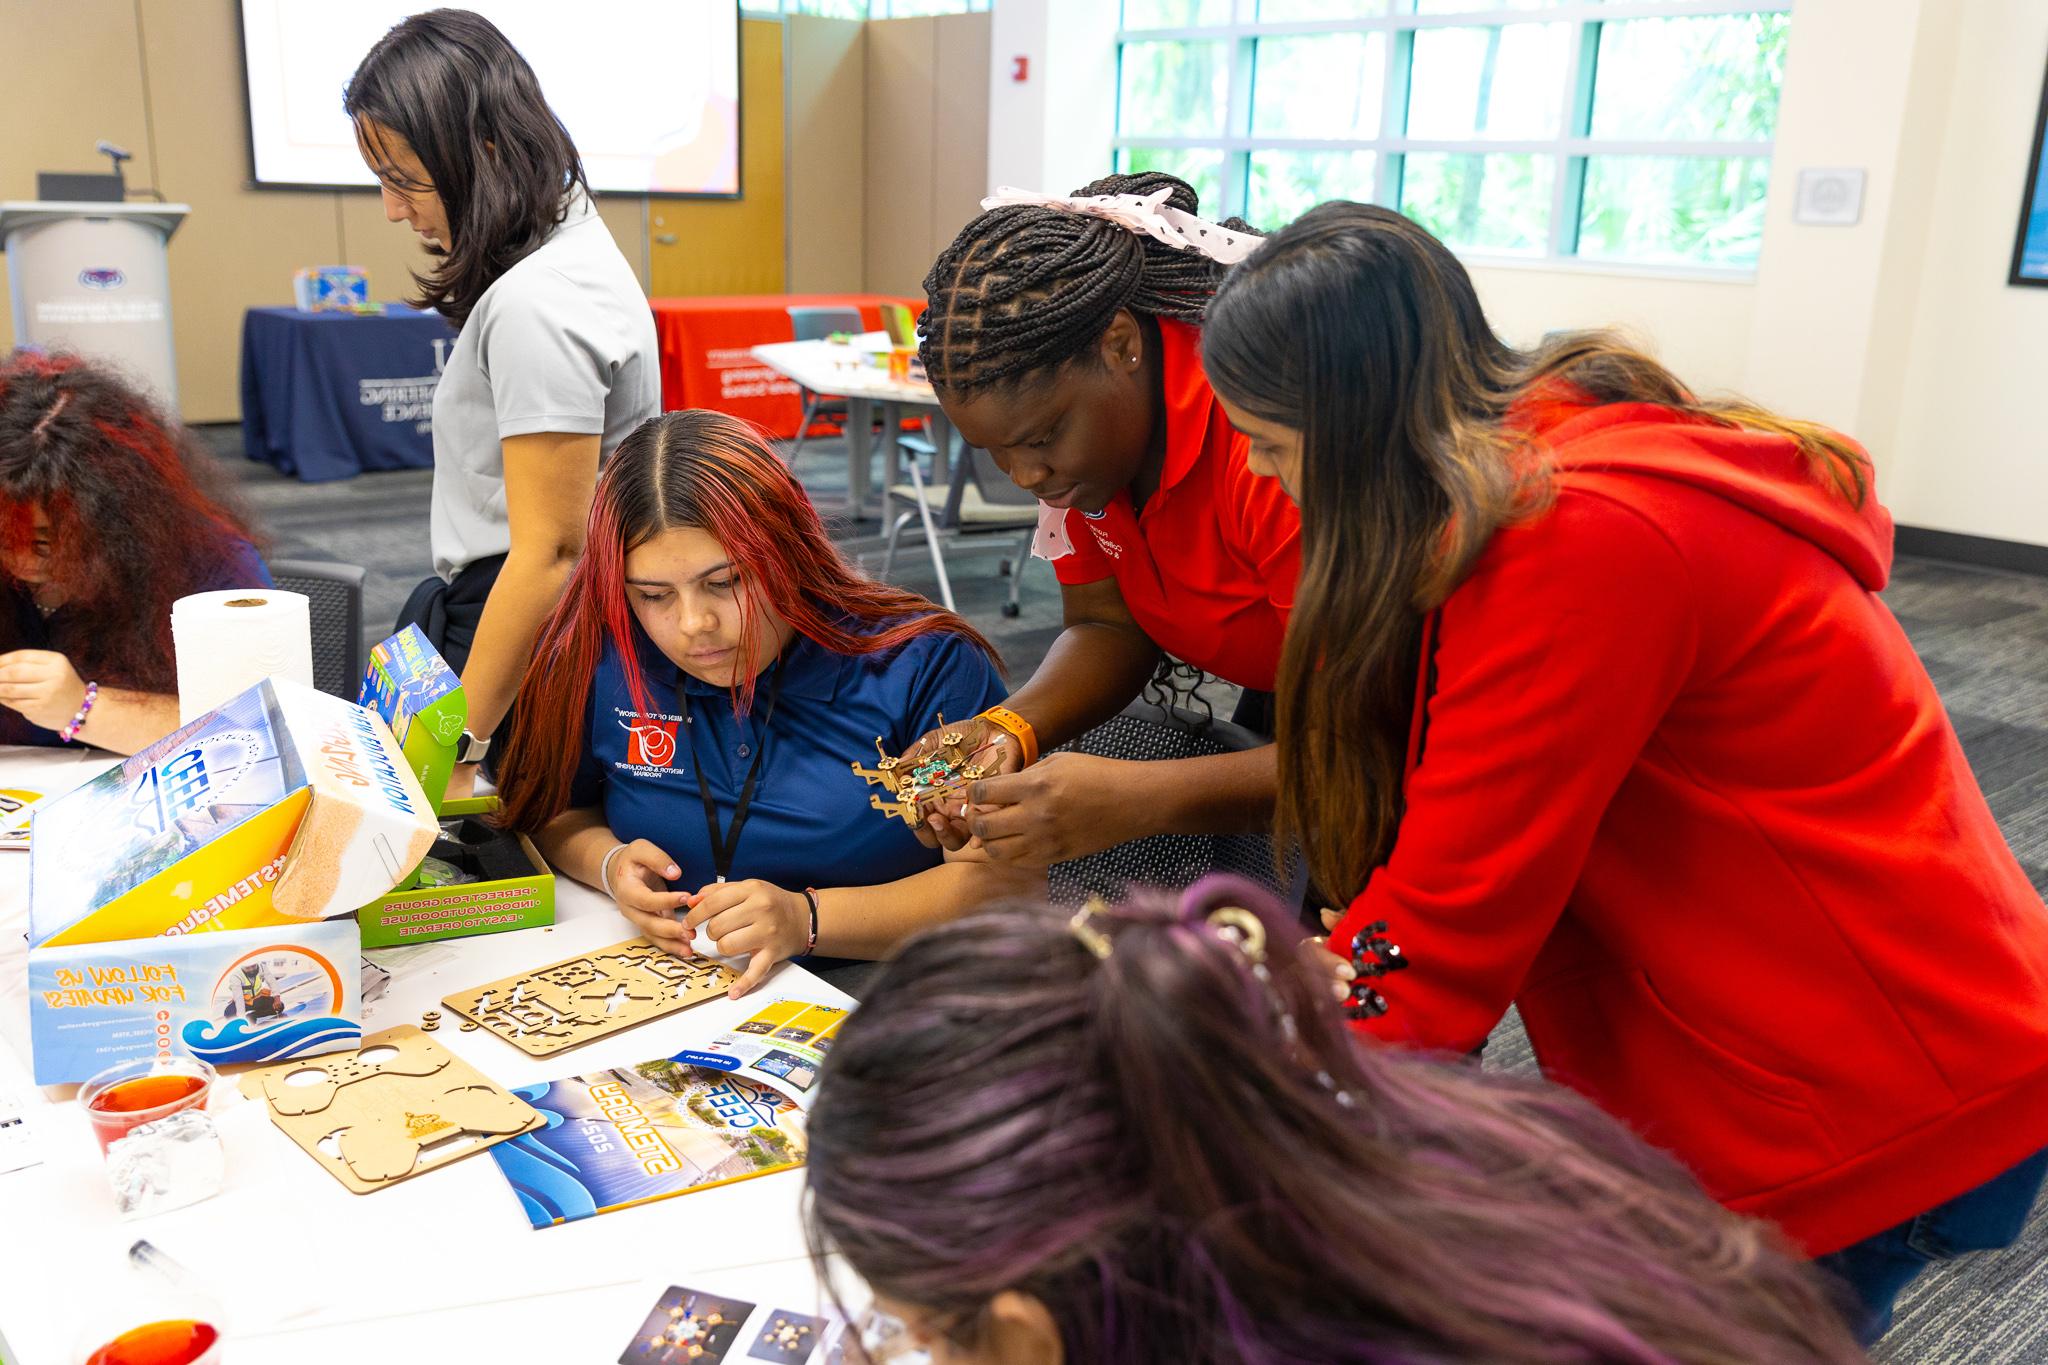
70,732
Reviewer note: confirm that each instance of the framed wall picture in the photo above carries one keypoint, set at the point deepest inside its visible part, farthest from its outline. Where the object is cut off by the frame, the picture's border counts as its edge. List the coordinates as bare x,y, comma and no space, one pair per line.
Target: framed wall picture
2030,252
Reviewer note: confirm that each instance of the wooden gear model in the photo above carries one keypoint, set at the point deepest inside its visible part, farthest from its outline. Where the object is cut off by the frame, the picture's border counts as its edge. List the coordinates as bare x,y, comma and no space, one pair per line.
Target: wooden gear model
944,773
384,1112
590,996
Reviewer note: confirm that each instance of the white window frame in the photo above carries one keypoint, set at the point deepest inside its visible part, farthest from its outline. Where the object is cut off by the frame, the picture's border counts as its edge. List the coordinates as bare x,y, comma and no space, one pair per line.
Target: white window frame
1570,150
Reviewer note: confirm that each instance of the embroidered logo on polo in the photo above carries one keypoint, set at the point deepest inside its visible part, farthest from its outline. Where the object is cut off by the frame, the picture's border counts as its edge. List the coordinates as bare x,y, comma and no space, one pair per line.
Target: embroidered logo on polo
1107,545
650,741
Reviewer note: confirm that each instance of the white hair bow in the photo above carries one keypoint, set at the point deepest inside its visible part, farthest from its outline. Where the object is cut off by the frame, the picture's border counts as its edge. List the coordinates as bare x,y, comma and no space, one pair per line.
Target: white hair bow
1146,213
1051,541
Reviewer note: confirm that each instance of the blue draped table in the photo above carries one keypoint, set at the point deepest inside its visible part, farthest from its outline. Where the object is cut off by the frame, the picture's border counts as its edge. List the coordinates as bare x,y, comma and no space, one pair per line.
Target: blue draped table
329,395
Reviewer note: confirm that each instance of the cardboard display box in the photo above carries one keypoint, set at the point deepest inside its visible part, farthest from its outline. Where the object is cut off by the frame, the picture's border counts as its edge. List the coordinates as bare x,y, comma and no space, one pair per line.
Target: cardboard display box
282,806
240,995
476,879
184,901
420,698
513,890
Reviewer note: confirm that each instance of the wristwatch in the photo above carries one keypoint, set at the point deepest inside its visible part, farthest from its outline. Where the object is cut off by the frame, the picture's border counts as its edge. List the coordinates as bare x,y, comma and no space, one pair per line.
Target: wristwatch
470,749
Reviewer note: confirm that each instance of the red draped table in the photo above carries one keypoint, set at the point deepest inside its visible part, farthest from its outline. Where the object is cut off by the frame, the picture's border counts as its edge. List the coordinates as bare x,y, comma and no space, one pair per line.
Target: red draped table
706,345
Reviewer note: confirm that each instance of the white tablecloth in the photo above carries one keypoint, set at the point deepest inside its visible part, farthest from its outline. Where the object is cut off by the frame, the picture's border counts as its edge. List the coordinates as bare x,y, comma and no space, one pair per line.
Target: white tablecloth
845,369
442,1267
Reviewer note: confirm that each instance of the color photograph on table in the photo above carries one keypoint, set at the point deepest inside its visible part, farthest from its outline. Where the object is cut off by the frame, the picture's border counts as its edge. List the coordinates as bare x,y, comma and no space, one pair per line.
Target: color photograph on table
688,1327
787,1336
633,1135
276,982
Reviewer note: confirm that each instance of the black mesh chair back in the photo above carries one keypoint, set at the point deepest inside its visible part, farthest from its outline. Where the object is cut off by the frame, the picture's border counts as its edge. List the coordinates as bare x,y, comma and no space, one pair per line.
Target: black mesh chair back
335,593
815,324
1149,732
996,488
808,323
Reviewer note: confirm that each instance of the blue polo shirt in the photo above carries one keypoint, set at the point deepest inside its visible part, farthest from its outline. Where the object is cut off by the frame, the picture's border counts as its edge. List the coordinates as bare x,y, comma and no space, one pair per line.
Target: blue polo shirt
810,823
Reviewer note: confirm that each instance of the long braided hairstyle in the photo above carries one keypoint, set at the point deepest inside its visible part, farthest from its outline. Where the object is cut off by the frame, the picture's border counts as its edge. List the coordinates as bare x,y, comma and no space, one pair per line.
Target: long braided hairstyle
1025,289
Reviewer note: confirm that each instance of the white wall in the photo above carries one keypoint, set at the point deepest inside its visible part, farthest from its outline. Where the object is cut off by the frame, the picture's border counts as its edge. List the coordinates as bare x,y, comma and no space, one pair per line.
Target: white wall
1016,111
1971,451
1700,328
1051,131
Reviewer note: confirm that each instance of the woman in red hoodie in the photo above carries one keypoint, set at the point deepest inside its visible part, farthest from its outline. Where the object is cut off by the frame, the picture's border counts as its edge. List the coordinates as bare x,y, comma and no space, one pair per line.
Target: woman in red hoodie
1589,696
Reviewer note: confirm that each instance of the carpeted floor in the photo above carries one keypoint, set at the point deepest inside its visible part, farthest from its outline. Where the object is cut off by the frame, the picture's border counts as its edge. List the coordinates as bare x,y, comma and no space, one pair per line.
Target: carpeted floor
1983,636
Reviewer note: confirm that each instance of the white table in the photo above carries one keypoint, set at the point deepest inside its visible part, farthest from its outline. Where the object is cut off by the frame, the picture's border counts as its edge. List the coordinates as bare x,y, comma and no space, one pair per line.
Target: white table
443,1266
842,369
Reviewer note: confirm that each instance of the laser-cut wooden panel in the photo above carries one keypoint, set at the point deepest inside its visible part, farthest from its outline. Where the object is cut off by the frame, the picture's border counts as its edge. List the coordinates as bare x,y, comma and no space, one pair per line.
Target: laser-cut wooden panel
568,1003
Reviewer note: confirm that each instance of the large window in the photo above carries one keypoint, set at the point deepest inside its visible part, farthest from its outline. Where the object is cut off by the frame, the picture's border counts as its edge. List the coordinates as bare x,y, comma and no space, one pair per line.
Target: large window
1608,131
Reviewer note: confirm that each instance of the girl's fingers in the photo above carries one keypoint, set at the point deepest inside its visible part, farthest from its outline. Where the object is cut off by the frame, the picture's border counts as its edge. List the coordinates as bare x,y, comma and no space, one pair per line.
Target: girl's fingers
663,929
647,855
758,967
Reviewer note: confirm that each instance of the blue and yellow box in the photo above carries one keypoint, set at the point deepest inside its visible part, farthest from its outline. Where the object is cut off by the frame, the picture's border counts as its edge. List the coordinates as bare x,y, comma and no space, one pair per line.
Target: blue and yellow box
410,685
194,899
332,288
282,806
476,879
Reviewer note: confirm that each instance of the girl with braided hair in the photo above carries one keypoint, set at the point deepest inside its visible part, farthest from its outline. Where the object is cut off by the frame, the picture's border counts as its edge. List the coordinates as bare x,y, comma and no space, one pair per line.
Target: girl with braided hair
1142,1135
107,516
1063,337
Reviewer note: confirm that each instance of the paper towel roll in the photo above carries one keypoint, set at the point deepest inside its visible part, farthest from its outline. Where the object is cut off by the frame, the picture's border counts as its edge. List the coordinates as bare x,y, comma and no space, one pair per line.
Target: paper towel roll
227,642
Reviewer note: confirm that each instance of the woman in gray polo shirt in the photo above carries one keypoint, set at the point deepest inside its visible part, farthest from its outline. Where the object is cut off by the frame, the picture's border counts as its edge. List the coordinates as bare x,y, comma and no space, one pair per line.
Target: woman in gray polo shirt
555,361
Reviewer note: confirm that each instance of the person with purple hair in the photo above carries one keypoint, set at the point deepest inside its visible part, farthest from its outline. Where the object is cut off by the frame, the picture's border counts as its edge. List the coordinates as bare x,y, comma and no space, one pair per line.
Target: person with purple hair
1145,1134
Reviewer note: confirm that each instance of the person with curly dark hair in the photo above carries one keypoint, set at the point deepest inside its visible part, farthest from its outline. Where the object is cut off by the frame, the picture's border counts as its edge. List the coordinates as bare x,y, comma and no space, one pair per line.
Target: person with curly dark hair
1063,336
107,517
555,361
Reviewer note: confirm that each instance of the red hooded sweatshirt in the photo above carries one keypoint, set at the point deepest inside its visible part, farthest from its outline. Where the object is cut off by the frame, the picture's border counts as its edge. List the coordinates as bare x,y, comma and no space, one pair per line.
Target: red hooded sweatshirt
1686,796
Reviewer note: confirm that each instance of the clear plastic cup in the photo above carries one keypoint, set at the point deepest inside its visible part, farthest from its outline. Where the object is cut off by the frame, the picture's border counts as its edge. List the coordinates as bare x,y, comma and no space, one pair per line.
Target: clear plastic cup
126,1096
152,1313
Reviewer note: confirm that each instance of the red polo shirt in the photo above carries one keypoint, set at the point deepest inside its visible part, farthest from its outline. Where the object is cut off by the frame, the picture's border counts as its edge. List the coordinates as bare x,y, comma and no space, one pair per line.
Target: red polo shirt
1208,568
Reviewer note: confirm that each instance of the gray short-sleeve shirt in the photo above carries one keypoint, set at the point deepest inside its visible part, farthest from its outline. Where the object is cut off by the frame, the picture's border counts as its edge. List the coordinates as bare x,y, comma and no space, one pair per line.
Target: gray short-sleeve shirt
564,342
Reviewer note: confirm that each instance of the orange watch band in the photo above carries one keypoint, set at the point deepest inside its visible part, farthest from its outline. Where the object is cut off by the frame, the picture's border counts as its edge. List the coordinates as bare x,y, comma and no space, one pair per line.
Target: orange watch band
1019,729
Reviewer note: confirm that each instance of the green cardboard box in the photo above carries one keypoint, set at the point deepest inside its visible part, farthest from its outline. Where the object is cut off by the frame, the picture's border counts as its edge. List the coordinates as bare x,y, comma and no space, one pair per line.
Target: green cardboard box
514,890
420,698
510,886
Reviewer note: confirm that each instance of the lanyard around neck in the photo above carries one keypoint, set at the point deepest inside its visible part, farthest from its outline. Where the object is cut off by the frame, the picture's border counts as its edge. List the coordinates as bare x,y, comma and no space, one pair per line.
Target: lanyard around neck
726,842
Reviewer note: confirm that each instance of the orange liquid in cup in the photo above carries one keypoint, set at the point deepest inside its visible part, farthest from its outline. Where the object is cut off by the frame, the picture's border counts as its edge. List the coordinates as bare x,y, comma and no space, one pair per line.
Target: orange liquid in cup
129,1104
179,1341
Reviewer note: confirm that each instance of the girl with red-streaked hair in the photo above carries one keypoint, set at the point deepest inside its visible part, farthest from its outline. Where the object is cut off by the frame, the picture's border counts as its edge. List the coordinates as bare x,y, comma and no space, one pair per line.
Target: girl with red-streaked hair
106,518
683,735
